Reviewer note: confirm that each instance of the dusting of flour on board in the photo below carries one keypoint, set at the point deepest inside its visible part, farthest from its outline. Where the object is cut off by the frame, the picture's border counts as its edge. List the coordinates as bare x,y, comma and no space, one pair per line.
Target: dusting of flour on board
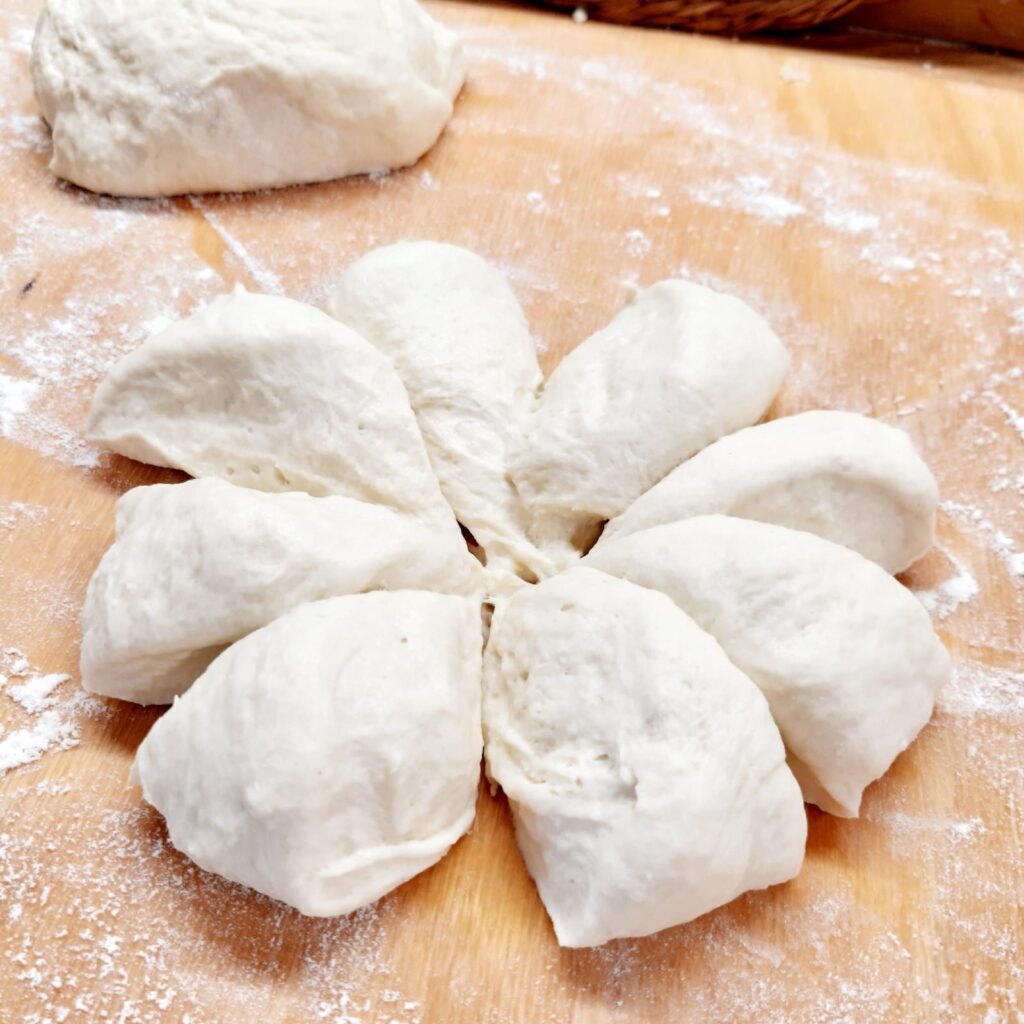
904,256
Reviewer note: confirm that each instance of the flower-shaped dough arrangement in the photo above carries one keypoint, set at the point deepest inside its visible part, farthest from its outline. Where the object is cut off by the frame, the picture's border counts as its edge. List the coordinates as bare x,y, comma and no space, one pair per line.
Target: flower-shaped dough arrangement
656,705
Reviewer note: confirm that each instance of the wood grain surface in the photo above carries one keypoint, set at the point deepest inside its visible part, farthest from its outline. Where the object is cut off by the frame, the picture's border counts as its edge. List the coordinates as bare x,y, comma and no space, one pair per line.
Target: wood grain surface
872,208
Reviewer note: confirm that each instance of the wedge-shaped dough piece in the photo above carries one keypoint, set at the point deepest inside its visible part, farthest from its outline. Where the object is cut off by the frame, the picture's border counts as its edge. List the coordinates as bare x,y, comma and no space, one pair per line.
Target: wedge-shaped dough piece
458,338
845,655
149,98
647,779
675,370
847,478
273,394
198,565
330,756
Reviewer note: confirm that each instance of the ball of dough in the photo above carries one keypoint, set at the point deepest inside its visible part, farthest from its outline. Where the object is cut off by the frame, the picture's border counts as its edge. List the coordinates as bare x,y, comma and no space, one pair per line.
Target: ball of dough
198,565
846,656
330,756
675,370
147,98
847,478
272,394
458,339
647,779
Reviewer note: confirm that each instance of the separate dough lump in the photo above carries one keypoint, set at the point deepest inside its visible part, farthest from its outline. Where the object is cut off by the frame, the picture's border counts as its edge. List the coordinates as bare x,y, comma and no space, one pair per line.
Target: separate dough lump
198,565
458,339
846,656
270,393
647,779
147,98
675,370
847,478
330,756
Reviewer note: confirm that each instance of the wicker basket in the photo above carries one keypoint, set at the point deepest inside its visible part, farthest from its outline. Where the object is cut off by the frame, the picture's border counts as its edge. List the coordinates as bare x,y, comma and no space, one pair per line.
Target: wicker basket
731,16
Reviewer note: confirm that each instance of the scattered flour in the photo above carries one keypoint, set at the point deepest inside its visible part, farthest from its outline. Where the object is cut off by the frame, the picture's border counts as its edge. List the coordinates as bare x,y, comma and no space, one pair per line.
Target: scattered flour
637,243
52,726
35,694
944,599
267,280
15,398
751,193
793,72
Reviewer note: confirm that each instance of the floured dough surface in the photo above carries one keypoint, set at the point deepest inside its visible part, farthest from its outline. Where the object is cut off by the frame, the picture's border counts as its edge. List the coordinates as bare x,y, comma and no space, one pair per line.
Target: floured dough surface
149,99
272,394
459,341
845,654
330,756
198,565
675,370
647,779
844,477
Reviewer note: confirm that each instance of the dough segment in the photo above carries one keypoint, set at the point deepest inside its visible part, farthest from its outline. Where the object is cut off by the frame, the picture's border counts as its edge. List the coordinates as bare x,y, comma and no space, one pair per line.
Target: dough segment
844,477
330,756
460,343
270,393
845,654
647,779
198,565
675,370
151,99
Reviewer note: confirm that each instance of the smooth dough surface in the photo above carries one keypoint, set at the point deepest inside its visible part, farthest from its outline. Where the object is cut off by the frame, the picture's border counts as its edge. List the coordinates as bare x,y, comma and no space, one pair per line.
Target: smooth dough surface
675,370
844,477
198,565
846,656
330,756
148,98
272,394
647,779
458,339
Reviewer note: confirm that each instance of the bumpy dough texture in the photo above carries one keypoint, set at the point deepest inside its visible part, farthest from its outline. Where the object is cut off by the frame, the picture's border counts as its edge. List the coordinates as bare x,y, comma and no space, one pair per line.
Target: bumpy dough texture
647,779
845,655
844,477
329,756
459,341
198,565
272,394
675,370
151,98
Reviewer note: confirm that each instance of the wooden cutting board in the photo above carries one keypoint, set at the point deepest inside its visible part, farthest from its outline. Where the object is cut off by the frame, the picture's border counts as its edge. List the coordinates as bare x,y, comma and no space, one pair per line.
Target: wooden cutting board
870,203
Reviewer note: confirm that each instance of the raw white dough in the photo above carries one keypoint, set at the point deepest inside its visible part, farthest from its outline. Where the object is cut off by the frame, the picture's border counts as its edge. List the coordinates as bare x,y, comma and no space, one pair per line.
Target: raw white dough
330,756
148,98
845,655
198,565
675,370
647,779
458,338
847,478
272,394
